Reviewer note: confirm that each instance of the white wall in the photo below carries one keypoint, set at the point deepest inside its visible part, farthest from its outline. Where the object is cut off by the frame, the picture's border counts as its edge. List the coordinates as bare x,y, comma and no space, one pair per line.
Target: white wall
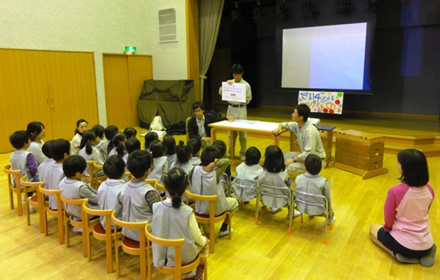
97,26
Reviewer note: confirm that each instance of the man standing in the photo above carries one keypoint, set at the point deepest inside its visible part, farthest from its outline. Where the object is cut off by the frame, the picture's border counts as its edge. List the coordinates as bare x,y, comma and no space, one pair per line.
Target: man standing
198,126
237,110
308,137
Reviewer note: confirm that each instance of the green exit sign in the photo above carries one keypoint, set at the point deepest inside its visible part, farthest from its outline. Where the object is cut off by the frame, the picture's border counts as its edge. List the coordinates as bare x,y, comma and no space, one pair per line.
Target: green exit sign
130,49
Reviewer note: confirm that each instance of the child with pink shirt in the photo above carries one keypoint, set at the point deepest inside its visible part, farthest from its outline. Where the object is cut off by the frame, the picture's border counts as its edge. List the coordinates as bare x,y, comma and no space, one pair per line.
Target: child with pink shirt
406,234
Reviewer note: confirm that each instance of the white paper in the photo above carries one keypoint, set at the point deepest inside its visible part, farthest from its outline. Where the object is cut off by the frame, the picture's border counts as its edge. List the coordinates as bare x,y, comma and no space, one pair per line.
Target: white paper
235,92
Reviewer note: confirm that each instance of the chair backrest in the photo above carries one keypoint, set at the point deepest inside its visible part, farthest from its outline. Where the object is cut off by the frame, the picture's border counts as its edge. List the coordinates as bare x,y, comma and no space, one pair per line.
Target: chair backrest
244,188
56,193
275,195
70,204
128,175
107,213
29,186
209,198
312,200
131,225
13,176
177,244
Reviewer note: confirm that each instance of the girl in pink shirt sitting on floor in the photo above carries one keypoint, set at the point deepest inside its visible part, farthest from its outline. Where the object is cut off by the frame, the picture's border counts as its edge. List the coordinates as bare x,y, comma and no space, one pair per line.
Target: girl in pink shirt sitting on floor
406,234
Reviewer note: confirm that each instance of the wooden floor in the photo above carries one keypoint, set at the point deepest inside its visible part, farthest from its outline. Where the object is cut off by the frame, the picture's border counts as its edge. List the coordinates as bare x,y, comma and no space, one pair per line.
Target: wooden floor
266,251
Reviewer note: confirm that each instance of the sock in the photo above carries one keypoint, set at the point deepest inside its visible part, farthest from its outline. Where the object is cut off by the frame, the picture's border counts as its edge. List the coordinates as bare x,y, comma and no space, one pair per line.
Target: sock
224,227
429,259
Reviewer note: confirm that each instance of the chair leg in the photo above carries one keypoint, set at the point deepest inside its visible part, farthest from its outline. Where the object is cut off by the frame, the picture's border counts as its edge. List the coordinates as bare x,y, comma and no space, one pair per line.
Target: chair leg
28,213
85,236
11,199
109,254
66,229
60,226
19,204
290,218
230,225
41,218
257,210
117,256
211,238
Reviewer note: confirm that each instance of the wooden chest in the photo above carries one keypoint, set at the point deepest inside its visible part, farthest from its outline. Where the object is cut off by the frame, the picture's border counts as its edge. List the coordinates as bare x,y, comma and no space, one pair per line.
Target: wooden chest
360,153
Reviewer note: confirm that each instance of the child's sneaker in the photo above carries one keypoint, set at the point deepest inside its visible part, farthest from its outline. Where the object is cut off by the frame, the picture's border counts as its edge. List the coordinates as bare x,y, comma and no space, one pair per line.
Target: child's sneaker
225,232
31,209
275,210
296,213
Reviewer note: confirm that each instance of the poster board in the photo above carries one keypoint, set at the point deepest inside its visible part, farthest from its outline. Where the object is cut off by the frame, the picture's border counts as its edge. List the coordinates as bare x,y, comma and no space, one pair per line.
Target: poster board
326,102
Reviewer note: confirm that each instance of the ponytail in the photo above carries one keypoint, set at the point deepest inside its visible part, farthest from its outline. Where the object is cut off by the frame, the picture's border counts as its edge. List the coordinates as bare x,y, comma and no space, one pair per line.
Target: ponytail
88,147
176,182
86,141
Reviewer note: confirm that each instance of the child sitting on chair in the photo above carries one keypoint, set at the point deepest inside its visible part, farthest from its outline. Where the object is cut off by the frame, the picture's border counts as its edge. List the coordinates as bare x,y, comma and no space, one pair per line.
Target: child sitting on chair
109,191
21,159
249,169
205,180
160,162
173,219
138,197
195,145
311,182
72,187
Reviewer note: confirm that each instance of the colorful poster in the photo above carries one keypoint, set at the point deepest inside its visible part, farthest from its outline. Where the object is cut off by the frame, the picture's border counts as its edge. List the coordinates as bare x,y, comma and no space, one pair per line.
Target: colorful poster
327,102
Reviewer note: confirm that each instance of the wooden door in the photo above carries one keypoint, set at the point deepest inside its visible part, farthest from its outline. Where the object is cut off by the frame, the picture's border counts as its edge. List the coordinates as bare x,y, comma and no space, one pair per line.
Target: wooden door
55,88
140,68
116,91
72,91
123,79
23,90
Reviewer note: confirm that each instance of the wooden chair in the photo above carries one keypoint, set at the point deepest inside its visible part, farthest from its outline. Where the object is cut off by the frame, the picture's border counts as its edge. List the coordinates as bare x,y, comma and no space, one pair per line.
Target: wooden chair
97,179
282,197
178,268
210,219
105,234
14,180
45,209
29,187
186,128
313,200
130,246
128,175
76,223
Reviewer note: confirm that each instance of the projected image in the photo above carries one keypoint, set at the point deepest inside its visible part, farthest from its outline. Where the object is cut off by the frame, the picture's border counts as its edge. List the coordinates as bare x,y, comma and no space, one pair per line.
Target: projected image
324,57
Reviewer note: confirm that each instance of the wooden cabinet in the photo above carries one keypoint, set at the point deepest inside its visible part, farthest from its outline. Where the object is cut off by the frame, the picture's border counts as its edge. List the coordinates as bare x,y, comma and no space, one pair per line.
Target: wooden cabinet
53,87
360,153
123,79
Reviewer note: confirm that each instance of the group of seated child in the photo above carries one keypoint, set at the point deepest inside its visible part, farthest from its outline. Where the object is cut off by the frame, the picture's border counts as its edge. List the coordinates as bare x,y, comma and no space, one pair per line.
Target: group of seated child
178,167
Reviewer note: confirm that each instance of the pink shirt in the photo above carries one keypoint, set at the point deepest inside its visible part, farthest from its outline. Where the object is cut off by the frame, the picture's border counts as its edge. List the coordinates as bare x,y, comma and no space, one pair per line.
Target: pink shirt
406,215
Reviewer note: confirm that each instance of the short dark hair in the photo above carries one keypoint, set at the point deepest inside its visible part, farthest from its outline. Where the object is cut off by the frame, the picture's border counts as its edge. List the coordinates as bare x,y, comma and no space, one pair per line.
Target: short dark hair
114,167
170,144
303,111
99,130
195,144
183,152
74,164
138,163
149,138
209,154
313,164
274,159
34,128
221,146
237,69
130,132
110,132
414,167
198,104
176,182
157,149
132,145
19,139
253,156
59,148
47,148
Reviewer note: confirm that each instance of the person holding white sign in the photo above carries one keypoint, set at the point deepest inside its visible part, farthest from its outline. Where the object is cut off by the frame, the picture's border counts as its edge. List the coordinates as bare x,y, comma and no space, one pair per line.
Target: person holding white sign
237,97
